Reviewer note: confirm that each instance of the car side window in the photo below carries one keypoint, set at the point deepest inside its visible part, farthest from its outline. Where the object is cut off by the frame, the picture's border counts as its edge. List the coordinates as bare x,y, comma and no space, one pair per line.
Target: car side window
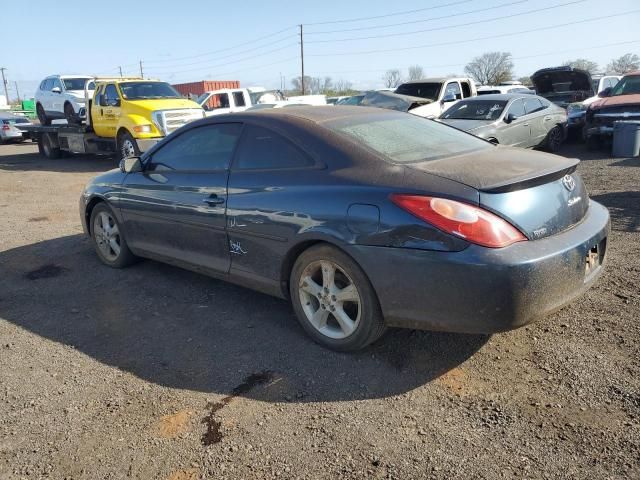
517,109
205,148
99,96
532,105
43,84
111,94
238,99
453,89
261,148
466,90
48,85
613,81
55,82
220,100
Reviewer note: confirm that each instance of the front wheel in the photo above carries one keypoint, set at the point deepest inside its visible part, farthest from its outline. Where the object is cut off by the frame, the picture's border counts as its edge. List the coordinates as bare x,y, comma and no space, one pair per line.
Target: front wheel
42,116
108,239
70,114
334,301
554,139
127,146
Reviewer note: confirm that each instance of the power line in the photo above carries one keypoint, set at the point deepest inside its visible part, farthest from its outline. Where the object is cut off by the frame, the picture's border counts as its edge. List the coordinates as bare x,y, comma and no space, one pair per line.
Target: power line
388,25
455,42
476,22
226,49
205,67
169,67
219,75
348,20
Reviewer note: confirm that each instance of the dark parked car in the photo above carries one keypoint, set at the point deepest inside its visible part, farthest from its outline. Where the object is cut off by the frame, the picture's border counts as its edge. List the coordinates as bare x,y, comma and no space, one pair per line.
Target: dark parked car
364,218
563,85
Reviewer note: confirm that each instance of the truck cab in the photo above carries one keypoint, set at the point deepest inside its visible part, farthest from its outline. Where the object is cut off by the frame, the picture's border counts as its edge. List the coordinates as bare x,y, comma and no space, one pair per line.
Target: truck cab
231,100
442,93
136,113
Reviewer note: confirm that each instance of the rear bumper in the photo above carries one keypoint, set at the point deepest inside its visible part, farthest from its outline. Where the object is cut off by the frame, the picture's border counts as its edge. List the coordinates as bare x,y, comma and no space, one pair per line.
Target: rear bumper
482,290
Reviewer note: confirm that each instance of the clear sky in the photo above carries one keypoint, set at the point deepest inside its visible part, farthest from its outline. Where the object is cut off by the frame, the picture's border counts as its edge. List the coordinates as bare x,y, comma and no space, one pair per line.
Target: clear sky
257,42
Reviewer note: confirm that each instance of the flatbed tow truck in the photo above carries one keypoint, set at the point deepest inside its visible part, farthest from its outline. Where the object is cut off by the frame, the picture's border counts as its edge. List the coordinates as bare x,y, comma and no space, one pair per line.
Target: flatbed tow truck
125,116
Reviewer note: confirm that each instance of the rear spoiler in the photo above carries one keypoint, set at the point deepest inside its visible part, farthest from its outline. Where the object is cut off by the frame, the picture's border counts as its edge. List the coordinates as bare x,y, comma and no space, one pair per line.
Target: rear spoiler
531,181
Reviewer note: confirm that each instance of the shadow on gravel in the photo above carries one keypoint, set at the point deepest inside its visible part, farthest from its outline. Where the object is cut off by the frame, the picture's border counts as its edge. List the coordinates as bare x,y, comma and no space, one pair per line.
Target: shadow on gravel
184,330
627,162
27,161
624,208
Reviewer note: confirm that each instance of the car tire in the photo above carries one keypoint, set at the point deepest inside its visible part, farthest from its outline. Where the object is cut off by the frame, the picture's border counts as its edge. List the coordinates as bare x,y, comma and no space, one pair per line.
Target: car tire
47,147
554,139
108,238
127,145
70,114
42,116
334,301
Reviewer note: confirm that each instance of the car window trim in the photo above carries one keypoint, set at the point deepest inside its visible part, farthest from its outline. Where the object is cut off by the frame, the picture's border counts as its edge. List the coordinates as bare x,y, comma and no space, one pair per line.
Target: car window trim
149,159
316,164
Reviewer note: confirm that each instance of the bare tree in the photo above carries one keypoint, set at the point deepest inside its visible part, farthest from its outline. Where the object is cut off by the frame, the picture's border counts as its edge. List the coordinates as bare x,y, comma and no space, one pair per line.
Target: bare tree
525,80
415,73
491,68
582,64
625,64
392,78
297,84
342,86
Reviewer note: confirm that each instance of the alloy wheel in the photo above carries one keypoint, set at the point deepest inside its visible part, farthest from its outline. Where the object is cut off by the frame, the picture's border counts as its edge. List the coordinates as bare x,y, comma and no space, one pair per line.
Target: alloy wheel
127,149
107,236
555,138
330,299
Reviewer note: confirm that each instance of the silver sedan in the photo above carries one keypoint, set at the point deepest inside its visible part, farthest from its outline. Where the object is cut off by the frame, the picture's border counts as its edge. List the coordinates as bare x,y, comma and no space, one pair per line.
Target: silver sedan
517,120
9,131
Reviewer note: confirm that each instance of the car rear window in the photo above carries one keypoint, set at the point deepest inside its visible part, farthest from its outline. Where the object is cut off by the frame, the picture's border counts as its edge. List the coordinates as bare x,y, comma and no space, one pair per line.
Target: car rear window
13,121
406,138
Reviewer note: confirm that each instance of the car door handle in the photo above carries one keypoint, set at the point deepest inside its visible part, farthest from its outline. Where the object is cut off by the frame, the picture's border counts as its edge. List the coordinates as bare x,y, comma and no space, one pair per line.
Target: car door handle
213,199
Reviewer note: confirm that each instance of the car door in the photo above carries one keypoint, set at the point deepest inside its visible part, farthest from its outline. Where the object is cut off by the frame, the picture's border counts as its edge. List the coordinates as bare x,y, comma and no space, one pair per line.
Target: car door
452,88
110,111
175,209
540,121
97,111
57,97
47,95
269,174
518,132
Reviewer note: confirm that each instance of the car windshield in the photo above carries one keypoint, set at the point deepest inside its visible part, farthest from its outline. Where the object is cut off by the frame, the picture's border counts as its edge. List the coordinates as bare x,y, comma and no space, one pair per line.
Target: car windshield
627,86
74,83
144,90
430,90
406,138
476,110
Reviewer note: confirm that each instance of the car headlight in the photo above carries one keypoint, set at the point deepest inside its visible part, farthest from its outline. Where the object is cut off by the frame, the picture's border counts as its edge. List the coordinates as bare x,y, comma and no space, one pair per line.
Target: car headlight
576,107
142,128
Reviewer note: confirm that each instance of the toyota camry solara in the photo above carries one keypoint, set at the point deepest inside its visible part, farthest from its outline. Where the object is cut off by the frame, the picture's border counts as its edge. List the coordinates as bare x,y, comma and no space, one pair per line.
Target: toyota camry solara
364,218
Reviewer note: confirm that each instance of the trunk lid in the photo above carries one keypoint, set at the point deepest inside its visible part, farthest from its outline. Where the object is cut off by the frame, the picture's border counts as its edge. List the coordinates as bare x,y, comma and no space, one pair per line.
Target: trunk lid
538,193
563,85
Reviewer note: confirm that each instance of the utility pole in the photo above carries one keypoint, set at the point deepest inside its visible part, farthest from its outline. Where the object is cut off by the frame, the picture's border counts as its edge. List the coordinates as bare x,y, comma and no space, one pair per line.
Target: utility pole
120,68
302,59
17,91
4,82
141,74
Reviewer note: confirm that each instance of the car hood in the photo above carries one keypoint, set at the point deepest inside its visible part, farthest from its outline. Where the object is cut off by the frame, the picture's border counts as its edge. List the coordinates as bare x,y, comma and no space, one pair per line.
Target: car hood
165,103
466,125
497,167
616,101
108,178
576,80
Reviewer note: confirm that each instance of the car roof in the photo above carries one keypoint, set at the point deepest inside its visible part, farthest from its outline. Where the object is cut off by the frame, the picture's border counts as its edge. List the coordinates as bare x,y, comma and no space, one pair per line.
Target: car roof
430,80
316,114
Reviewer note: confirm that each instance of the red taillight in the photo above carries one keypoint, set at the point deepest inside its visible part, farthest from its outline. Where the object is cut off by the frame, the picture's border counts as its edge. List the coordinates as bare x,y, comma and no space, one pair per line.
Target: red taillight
466,221
5,127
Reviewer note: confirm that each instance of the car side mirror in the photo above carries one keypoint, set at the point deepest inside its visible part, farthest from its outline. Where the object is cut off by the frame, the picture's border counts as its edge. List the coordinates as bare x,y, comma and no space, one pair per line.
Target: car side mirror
56,90
449,97
605,93
131,165
509,117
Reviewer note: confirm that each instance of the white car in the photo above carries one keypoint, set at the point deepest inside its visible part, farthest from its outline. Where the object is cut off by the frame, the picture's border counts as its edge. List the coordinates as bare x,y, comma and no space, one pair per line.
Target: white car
63,96
497,89
442,93
9,130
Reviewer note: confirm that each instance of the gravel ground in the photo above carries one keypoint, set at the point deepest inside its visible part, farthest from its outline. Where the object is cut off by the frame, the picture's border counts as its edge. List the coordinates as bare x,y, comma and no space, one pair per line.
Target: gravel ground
154,372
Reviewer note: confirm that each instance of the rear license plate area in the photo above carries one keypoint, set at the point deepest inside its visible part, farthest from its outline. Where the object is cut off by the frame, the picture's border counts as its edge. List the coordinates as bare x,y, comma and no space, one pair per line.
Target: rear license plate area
594,258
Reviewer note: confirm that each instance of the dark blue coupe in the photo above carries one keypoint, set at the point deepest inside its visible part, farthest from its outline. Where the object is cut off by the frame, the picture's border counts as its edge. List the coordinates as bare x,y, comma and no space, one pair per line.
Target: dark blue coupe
364,218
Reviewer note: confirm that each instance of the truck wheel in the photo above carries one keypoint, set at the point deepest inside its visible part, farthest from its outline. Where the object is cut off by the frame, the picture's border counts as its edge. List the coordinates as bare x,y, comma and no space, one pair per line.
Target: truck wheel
70,115
42,117
127,146
47,147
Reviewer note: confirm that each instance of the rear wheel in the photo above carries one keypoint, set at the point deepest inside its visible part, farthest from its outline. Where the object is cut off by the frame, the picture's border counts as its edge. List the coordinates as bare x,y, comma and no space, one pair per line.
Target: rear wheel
108,239
334,300
42,116
127,145
47,147
554,139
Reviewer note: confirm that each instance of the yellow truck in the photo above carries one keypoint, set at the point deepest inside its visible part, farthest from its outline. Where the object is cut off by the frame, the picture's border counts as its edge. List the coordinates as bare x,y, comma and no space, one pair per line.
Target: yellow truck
125,116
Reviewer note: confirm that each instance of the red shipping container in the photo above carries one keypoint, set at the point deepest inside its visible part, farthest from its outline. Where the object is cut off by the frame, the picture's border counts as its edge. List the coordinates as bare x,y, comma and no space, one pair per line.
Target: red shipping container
198,88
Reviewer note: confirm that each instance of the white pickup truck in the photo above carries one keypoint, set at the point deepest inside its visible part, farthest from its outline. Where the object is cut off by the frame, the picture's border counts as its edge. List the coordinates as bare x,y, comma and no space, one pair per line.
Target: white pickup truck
230,100
443,93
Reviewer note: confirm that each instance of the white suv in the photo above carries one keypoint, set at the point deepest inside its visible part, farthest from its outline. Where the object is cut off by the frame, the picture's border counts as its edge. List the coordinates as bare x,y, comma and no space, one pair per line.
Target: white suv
63,96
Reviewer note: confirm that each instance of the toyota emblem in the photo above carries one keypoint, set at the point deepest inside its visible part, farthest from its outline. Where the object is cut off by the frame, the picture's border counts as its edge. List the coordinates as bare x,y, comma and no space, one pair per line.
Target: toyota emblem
569,183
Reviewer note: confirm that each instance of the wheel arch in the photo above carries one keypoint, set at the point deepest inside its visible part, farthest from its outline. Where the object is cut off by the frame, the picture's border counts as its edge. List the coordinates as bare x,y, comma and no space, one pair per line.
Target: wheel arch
88,210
